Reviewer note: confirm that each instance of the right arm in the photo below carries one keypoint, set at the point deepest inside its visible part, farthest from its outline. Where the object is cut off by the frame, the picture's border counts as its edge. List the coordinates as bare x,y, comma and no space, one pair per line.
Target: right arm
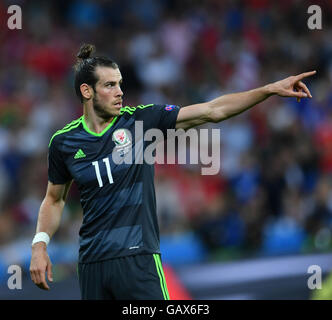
48,221
230,105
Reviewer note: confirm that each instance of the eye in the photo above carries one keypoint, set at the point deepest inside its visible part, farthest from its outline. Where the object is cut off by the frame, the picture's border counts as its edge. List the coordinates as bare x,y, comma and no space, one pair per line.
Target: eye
113,84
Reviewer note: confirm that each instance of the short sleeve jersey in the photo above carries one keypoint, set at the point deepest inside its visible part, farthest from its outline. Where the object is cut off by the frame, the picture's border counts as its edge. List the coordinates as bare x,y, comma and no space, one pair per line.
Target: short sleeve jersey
116,184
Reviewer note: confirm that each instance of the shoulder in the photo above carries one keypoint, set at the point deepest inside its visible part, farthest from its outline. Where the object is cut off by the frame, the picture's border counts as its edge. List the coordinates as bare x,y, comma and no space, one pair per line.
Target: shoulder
147,110
59,135
135,110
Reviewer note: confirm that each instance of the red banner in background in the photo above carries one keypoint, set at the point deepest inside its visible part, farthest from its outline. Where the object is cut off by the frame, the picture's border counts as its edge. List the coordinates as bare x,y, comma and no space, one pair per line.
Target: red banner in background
176,289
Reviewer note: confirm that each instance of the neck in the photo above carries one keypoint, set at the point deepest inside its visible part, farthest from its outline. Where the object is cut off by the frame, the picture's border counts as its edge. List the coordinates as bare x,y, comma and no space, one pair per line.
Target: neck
94,122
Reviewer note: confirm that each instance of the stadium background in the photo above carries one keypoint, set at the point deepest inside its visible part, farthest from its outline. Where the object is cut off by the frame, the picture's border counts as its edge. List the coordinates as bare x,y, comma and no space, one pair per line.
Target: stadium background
273,196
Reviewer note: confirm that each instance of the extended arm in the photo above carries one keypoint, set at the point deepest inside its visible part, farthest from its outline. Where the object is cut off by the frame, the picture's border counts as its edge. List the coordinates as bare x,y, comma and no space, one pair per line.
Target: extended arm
230,105
48,221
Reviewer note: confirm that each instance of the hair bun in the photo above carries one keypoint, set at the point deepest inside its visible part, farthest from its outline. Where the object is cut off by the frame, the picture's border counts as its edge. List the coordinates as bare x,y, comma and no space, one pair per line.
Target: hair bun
85,51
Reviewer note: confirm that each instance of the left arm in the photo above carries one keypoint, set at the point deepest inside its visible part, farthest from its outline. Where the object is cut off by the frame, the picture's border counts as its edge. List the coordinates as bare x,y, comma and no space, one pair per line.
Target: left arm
230,105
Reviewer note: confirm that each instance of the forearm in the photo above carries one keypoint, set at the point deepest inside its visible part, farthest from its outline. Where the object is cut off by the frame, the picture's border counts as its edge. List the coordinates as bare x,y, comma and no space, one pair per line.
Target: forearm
49,216
230,105
48,221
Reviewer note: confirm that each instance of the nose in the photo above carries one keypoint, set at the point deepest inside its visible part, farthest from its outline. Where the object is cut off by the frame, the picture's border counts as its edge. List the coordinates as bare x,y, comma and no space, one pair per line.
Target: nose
119,92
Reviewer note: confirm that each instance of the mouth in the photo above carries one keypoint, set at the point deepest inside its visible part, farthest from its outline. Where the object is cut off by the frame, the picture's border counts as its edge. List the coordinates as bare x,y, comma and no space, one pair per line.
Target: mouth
118,104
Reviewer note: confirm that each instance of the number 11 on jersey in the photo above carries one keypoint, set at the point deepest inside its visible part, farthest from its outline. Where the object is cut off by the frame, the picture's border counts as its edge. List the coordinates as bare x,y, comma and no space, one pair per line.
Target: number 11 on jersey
108,169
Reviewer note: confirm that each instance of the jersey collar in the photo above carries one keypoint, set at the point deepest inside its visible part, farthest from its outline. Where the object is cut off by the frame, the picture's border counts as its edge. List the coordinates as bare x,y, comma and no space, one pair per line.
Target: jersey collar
94,133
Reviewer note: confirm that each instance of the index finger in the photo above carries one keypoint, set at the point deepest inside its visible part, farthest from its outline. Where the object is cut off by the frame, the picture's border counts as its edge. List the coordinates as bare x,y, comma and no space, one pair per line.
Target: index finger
304,75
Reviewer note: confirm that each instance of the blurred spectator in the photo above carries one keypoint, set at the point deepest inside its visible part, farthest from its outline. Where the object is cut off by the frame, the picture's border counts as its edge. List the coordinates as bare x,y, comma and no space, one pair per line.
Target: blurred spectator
219,224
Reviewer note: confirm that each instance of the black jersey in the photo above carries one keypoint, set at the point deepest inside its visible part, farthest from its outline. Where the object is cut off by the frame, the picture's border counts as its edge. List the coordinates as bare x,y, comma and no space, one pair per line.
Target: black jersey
118,199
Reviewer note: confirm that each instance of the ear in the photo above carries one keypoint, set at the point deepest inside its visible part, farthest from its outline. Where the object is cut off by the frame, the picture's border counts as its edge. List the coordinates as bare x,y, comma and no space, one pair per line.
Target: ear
86,91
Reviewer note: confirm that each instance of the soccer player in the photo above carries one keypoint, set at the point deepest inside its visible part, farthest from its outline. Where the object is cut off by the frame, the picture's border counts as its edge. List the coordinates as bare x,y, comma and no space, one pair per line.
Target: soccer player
119,255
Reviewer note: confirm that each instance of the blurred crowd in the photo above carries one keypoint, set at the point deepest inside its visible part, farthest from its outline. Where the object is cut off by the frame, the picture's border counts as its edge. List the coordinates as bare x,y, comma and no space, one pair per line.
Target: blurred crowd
273,194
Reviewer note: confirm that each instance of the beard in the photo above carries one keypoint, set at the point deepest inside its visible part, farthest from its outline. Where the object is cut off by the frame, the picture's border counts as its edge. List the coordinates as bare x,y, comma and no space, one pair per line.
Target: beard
100,110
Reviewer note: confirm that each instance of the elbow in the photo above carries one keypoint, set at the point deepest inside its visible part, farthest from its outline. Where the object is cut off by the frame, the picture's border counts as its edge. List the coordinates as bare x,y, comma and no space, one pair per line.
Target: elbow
216,116
54,201
215,119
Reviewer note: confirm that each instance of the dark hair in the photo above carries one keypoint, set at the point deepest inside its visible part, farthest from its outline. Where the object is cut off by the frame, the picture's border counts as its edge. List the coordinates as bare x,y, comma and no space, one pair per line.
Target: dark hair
86,65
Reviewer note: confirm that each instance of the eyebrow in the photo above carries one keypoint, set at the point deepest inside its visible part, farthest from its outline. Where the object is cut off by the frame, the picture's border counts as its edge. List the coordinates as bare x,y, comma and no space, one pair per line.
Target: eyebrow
113,82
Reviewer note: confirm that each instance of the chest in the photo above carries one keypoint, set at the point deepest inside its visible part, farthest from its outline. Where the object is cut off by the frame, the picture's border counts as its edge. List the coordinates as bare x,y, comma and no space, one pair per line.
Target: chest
98,161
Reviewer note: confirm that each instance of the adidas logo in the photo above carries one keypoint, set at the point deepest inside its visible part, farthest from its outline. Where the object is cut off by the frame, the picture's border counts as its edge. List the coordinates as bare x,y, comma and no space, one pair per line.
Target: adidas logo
79,154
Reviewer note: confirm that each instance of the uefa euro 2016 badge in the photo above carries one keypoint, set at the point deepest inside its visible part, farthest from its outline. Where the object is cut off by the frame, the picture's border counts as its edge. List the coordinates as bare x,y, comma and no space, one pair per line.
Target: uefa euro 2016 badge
121,137
169,107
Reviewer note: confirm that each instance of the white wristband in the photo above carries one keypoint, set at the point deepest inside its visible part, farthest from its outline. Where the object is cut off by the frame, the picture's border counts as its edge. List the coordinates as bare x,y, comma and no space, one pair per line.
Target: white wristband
41,236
